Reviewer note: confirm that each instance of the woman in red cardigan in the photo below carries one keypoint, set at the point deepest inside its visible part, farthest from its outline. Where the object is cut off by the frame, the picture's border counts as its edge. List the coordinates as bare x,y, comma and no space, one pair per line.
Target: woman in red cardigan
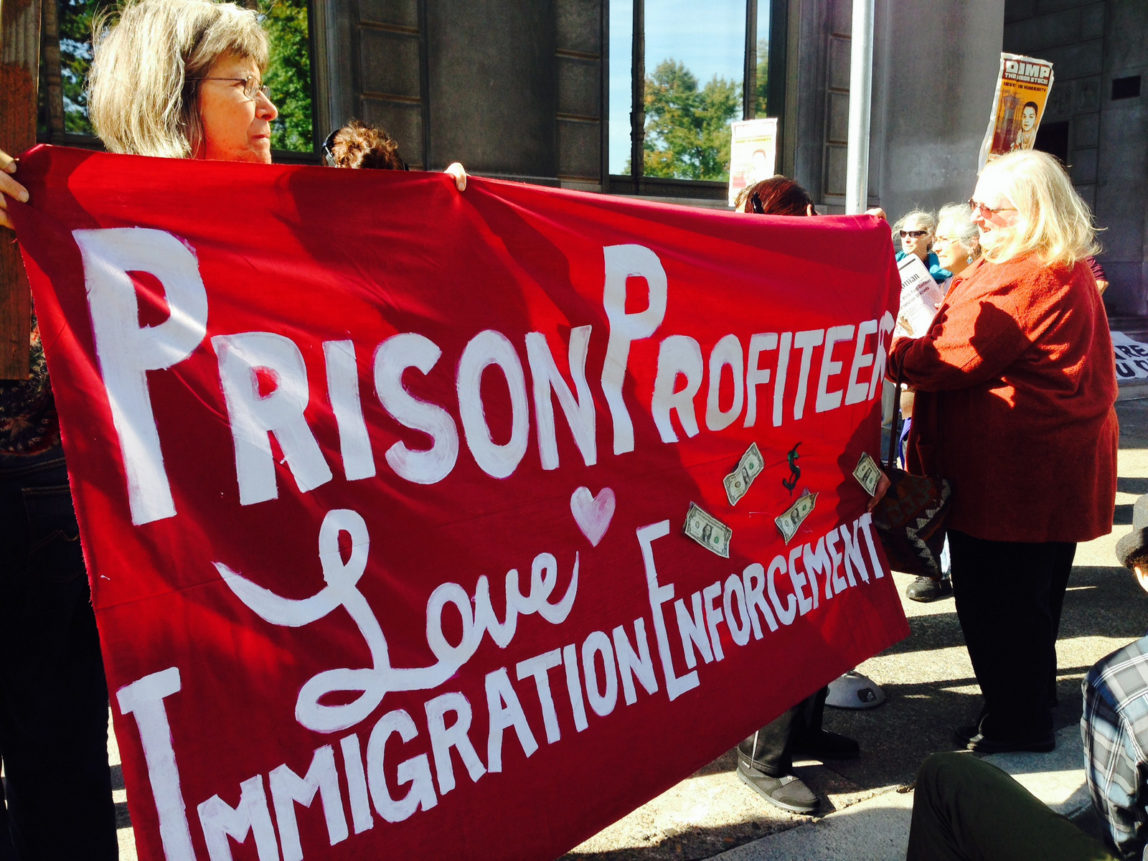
1015,406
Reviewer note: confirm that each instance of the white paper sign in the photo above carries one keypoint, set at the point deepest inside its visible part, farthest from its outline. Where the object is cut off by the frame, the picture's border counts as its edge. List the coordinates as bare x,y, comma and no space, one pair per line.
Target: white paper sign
752,154
920,296
1131,358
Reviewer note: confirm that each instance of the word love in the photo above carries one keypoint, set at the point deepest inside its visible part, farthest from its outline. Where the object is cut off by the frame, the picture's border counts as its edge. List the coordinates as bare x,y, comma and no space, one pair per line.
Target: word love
371,684
267,383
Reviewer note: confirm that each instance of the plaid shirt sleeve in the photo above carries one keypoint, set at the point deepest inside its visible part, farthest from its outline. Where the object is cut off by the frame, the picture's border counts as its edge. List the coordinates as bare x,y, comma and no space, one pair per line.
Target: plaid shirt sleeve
1115,731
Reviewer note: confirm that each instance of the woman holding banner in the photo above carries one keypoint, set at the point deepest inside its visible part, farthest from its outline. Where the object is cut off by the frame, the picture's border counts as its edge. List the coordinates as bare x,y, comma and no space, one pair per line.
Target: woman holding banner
765,759
1015,407
174,78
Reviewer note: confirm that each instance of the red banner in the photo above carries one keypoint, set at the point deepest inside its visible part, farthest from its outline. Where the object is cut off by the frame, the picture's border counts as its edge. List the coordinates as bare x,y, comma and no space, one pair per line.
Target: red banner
467,521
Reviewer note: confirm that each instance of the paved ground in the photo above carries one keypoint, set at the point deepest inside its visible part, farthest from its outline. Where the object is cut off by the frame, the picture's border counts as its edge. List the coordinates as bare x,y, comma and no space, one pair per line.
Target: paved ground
931,689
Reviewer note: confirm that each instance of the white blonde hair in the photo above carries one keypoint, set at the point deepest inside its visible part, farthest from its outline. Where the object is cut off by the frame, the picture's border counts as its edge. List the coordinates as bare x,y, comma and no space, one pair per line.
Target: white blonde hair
143,88
957,219
1054,223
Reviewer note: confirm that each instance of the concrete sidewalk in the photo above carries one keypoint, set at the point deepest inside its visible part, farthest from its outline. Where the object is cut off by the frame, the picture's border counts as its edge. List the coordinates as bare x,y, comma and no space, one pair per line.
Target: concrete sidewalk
931,690
879,827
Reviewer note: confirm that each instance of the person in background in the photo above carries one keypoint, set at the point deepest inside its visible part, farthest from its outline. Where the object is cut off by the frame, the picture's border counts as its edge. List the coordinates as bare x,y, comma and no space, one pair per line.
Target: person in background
957,248
916,230
357,145
965,808
765,759
1015,395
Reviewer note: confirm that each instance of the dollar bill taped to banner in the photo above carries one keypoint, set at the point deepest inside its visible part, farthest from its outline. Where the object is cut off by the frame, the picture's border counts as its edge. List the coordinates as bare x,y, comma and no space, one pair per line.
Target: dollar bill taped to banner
789,522
867,473
708,531
748,468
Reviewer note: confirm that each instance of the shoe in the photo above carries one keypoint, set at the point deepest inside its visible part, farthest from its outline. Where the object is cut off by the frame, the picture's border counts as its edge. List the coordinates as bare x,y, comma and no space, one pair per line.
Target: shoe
787,792
966,732
971,738
824,745
854,691
982,743
925,589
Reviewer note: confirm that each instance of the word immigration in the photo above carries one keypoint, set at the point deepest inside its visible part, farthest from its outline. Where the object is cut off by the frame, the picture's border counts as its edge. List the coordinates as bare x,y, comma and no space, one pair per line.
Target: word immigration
396,512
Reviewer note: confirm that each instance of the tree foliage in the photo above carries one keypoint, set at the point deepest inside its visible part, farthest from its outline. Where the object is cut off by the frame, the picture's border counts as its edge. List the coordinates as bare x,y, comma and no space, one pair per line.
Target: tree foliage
76,18
761,91
687,126
289,75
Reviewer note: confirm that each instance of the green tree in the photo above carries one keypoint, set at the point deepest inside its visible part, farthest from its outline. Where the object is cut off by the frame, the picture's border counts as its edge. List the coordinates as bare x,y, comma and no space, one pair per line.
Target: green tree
761,91
687,128
75,21
289,75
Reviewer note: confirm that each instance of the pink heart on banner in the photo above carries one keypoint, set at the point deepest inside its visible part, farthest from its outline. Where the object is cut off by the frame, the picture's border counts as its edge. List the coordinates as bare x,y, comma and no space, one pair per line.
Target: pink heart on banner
593,513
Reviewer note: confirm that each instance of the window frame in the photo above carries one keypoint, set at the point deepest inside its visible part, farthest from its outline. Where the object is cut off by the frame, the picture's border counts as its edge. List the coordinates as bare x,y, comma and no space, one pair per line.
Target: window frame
636,183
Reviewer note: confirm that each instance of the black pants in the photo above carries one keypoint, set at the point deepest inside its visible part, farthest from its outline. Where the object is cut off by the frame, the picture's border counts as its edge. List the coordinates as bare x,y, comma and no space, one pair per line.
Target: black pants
1009,596
770,749
965,808
53,698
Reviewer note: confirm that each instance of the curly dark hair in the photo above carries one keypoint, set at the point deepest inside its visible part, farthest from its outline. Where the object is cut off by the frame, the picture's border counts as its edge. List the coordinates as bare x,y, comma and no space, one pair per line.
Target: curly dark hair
777,195
357,145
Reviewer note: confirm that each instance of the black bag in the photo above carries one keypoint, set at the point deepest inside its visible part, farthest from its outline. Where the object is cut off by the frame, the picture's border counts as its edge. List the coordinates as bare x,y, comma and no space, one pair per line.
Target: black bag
910,518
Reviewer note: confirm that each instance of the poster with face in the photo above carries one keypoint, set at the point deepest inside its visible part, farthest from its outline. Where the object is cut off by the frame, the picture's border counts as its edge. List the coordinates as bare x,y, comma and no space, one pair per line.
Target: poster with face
411,515
753,153
1021,94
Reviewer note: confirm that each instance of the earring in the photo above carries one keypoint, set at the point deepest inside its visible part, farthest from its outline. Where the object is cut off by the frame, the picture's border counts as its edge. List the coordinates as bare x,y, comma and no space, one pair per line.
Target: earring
970,258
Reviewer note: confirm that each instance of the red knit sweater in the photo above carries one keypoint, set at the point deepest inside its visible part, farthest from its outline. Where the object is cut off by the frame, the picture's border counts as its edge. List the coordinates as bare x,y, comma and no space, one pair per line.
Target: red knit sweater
1016,387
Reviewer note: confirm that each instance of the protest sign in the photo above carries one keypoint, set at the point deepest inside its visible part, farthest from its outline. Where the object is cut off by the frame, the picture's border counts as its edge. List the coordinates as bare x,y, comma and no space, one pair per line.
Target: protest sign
920,296
752,153
384,492
1131,358
1018,105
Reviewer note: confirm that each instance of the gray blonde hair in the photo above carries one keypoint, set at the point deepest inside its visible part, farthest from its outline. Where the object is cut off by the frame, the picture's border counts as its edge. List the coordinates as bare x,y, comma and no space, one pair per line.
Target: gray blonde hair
957,218
925,218
143,88
1054,223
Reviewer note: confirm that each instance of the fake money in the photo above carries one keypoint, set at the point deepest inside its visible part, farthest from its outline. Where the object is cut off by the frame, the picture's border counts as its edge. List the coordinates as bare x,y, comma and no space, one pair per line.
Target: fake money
789,522
748,468
708,531
867,473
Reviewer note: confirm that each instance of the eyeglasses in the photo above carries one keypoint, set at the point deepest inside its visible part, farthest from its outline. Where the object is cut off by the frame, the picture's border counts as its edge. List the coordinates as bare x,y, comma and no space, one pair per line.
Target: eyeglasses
328,149
252,86
916,234
976,206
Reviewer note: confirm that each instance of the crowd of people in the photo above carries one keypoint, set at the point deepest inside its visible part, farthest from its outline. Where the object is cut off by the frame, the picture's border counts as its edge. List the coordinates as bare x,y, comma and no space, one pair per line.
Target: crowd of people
1012,400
